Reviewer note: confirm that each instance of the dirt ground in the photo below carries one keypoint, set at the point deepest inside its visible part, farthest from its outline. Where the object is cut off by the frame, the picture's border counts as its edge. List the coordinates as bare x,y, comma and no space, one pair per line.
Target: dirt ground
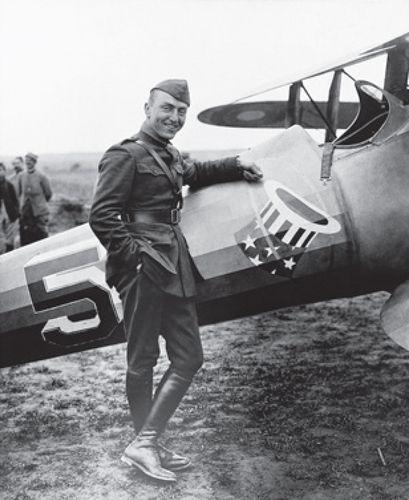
295,404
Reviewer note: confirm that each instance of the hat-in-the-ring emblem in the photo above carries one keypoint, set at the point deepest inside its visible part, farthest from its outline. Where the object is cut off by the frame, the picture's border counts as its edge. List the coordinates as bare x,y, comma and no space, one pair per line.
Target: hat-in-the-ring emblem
279,234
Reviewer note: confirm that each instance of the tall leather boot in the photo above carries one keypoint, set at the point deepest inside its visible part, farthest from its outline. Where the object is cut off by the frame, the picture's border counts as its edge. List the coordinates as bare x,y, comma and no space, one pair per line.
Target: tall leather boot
143,452
168,458
139,394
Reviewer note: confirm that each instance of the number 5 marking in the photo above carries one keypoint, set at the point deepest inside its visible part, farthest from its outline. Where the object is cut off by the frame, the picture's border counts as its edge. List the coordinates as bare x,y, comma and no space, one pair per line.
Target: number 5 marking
65,284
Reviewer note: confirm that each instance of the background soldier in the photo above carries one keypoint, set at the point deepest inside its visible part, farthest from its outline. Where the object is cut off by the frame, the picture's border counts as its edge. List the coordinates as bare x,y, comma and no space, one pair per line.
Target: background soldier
18,166
13,229
9,210
35,191
135,214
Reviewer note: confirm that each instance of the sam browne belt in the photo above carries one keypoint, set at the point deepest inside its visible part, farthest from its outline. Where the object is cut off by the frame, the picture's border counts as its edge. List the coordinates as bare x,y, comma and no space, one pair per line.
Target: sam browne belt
166,216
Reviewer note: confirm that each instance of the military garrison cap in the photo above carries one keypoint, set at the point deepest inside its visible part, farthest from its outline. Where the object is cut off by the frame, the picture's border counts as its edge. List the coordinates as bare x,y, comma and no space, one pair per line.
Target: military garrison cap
32,156
176,88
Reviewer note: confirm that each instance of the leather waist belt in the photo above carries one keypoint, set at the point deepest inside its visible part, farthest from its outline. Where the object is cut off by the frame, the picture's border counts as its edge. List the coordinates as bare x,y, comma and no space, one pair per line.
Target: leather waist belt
171,216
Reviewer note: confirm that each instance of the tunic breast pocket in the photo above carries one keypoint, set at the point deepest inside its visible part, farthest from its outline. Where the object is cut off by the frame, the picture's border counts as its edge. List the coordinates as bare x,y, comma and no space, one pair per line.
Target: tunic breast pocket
149,168
33,190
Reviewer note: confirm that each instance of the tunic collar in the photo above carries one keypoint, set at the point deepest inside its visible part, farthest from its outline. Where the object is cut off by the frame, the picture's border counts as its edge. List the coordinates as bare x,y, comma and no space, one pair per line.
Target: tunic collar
149,135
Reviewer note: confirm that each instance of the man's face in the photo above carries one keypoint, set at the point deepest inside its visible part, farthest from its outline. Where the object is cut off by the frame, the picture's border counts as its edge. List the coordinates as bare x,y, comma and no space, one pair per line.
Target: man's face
30,164
17,165
165,114
2,174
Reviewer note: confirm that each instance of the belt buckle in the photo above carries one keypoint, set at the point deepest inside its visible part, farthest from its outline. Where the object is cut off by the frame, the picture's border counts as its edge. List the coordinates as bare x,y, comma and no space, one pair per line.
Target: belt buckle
174,216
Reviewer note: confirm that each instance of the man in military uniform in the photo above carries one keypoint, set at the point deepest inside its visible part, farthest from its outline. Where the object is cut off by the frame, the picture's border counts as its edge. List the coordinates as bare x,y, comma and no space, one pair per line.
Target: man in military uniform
13,227
9,210
135,214
18,166
35,192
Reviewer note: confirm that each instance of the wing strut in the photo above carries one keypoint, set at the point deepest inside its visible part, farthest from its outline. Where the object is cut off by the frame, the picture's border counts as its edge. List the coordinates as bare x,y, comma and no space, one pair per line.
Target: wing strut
397,70
317,109
333,106
293,113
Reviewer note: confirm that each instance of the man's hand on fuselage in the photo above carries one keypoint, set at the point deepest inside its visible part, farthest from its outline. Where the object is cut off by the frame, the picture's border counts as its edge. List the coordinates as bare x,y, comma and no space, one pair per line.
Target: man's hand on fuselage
251,172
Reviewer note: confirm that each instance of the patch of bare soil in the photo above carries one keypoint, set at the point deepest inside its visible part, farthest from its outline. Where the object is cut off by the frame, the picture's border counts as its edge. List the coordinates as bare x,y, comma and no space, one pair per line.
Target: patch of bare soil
294,404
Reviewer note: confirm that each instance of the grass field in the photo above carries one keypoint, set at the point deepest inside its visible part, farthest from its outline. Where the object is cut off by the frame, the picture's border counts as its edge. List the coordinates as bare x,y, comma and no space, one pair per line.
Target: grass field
290,405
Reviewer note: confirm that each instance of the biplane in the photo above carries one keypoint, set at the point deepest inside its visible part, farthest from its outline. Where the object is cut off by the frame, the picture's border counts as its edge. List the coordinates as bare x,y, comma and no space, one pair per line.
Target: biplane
329,220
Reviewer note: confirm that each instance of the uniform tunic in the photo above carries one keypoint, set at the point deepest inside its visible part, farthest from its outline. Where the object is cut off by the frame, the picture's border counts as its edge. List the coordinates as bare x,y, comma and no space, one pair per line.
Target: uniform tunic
14,180
9,213
35,188
130,179
157,296
13,227
35,191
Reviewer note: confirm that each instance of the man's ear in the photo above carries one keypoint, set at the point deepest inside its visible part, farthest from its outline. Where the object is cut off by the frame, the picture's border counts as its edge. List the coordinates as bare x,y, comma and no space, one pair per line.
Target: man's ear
147,109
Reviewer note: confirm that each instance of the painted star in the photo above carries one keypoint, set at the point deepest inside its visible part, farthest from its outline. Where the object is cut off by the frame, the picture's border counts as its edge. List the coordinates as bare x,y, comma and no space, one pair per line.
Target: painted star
269,251
258,225
256,261
289,263
249,242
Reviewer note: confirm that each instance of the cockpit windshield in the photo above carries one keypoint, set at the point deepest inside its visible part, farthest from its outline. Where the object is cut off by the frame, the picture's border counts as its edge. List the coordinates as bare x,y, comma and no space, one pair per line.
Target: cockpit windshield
373,112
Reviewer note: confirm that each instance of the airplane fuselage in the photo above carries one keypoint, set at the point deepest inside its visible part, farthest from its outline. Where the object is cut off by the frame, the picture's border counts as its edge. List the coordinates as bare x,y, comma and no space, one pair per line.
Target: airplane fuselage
288,240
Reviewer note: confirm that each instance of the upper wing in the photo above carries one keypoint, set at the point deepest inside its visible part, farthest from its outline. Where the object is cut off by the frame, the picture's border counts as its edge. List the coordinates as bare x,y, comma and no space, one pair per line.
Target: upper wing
273,113
399,42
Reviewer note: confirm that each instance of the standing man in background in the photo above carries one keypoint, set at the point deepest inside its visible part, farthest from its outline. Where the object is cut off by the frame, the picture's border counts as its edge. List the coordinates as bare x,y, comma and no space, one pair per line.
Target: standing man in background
35,191
135,214
9,209
13,227
18,165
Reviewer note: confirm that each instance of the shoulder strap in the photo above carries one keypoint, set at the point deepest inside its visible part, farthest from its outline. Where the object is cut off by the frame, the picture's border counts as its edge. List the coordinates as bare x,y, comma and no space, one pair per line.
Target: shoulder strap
177,191
159,161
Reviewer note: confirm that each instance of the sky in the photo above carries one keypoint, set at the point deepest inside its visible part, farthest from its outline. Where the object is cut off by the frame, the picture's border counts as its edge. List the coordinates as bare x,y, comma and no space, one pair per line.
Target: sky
74,74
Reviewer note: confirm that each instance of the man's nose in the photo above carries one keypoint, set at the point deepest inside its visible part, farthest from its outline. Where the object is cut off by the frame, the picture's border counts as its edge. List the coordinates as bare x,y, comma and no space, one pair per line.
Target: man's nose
174,115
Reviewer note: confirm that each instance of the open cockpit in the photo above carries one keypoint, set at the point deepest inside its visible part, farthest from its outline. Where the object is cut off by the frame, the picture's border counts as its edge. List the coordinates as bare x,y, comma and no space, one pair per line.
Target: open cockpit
380,115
